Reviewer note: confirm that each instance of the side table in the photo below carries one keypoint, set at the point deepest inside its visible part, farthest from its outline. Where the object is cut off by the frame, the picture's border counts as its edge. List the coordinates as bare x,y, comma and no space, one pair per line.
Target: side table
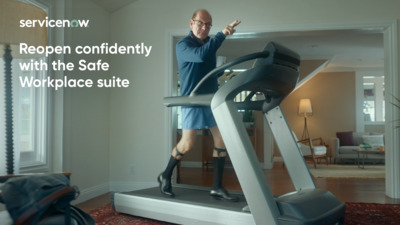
364,155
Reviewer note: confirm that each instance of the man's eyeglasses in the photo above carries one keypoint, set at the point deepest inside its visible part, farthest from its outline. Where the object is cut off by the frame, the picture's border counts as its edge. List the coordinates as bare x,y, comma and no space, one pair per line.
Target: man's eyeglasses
201,23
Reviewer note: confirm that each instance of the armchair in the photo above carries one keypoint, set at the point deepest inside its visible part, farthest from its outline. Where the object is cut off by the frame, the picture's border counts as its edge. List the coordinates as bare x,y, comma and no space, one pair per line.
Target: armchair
313,149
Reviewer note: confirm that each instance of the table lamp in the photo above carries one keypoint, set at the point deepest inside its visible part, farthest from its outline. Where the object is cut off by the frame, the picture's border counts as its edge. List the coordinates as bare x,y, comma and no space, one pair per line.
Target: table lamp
305,109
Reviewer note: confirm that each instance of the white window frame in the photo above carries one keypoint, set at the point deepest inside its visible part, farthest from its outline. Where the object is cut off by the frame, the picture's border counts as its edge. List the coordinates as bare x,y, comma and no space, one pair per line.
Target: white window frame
34,158
360,74
37,159
378,98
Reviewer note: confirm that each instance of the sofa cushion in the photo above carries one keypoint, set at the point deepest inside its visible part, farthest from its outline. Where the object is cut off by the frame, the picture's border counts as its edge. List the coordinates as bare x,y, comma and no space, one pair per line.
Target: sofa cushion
373,140
345,138
348,149
319,150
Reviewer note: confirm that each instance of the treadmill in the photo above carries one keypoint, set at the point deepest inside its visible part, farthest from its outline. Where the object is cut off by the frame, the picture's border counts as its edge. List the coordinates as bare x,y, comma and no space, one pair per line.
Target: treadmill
275,73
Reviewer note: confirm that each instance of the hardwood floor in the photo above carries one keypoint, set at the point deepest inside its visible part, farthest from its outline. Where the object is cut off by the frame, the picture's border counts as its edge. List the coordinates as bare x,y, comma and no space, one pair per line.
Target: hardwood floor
345,189
95,203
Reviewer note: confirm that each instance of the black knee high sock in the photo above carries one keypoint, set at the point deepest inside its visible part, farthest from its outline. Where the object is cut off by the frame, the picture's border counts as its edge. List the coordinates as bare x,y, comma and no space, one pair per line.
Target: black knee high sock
219,163
170,167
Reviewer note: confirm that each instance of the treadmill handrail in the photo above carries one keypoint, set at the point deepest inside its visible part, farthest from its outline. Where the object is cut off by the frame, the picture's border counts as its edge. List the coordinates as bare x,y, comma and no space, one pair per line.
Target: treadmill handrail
199,100
214,72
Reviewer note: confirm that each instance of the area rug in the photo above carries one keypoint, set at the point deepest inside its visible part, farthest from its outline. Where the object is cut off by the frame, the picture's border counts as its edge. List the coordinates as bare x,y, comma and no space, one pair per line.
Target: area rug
347,171
356,214
107,216
372,214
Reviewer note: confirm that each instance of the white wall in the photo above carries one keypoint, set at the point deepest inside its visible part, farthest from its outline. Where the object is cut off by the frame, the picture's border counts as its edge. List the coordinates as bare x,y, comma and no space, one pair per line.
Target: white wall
137,118
87,110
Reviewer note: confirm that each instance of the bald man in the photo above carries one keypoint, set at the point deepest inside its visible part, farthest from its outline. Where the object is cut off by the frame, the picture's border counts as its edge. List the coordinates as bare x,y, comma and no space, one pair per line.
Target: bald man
196,54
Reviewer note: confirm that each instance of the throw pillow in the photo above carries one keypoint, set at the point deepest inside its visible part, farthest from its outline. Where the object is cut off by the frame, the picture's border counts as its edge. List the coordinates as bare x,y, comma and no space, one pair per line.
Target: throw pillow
345,138
373,140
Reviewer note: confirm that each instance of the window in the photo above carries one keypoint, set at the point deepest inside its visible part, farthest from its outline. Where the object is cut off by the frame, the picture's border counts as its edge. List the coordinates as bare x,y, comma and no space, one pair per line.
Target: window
373,99
30,107
29,118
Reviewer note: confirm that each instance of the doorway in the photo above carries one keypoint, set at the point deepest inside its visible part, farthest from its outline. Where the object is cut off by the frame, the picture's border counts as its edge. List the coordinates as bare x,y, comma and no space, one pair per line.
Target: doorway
288,36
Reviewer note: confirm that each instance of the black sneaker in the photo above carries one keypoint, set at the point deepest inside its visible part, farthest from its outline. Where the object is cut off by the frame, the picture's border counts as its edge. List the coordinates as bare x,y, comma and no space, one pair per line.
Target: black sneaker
222,193
165,186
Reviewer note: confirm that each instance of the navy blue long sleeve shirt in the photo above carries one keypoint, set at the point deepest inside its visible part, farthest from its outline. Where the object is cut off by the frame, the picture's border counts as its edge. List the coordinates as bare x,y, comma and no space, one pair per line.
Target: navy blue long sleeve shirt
195,60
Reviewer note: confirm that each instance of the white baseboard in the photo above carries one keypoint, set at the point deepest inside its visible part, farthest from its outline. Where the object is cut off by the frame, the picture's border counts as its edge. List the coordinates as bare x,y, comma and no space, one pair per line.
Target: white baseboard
92,192
89,193
130,186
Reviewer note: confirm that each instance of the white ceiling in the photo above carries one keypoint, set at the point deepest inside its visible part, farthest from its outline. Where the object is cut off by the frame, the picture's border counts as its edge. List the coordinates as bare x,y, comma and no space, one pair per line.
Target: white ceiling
345,49
113,5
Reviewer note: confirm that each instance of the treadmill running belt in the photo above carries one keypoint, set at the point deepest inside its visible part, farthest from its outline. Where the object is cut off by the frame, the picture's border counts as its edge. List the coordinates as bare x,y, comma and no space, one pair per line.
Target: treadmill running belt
193,195
191,205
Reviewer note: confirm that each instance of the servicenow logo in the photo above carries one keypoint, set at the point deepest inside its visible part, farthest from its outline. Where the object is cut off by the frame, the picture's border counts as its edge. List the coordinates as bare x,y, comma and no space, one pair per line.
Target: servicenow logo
53,23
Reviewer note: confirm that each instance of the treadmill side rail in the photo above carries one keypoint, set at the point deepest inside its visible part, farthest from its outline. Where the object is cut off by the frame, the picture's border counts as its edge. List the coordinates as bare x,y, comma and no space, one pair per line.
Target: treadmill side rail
241,152
178,212
197,100
289,150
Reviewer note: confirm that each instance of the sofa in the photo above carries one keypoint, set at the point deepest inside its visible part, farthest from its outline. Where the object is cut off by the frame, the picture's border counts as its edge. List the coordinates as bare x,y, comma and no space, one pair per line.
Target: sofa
344,144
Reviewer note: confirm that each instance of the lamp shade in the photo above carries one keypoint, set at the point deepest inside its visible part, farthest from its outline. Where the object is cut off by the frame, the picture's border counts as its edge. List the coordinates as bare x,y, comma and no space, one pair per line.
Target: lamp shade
11,13
305,107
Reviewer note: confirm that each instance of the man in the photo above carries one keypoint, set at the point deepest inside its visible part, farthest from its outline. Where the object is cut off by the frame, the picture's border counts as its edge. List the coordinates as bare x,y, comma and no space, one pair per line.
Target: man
196,54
